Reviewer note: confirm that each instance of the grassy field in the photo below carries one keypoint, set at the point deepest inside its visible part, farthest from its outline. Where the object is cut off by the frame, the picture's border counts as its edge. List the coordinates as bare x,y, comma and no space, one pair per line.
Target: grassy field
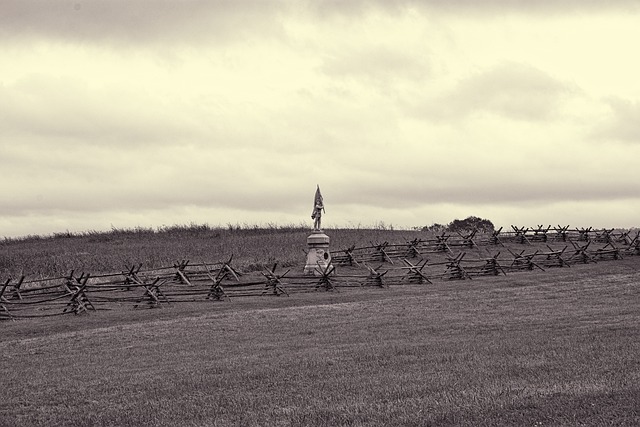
550,348
253,248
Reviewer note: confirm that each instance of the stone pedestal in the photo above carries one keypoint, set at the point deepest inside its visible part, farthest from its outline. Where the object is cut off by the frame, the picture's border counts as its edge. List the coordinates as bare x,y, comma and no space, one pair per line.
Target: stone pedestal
318,256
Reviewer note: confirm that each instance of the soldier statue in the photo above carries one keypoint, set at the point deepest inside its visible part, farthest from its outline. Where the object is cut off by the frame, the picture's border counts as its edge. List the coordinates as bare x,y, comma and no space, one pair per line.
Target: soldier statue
318,208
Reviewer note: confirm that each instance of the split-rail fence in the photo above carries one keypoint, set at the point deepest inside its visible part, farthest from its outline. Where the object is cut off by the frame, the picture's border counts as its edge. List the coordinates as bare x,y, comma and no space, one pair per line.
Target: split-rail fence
418,262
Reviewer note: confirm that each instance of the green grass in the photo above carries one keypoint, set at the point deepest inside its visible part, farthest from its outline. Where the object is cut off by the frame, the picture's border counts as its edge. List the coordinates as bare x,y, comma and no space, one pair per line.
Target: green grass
530,349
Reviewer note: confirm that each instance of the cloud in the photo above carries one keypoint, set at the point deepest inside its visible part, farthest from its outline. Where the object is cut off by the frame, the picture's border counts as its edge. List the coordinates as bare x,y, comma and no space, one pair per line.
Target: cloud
139,21
91,178
333,8
379,65
546,7
623,123
512,90
230,111
222,21
357,6
536,187
68,108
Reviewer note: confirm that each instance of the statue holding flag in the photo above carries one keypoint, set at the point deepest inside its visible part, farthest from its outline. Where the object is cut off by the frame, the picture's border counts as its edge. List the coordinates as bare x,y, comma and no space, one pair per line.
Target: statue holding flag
318,208
318,256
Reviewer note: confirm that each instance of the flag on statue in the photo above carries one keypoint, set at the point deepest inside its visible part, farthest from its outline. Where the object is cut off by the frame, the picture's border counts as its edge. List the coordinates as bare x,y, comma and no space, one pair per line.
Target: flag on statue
318,207
318,203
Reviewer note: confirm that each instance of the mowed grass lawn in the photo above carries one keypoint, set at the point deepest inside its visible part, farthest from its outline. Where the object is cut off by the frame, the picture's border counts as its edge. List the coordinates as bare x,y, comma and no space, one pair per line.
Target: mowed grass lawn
560,347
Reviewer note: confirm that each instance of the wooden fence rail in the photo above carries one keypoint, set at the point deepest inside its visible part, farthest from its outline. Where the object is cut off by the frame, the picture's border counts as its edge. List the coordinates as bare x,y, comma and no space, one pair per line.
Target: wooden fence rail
397,264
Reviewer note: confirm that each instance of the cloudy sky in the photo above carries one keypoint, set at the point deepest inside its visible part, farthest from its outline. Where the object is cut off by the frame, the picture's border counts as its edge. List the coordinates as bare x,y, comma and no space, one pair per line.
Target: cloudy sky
125,113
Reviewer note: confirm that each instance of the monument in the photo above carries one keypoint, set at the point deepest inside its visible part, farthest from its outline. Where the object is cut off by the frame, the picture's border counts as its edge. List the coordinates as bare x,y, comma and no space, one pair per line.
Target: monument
318,257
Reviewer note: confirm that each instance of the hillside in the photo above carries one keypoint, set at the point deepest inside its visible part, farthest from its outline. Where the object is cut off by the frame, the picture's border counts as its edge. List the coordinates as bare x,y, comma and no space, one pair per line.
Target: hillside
554,347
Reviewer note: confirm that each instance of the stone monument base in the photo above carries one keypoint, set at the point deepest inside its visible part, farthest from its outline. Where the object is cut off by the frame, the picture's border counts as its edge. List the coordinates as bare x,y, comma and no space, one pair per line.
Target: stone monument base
318,257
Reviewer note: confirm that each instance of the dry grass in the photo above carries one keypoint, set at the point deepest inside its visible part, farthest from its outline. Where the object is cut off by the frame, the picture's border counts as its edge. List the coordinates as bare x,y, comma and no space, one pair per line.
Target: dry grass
532,349
253,248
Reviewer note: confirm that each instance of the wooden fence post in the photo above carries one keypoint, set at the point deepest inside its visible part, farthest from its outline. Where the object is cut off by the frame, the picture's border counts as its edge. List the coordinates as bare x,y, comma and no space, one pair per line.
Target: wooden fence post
4,312
494,239
350,257
521,234
325,277
441,243
79,302
227,266
554,258
375,278
467,240
414,273
455,270
540,234
524,262
131,276
380,250
181,276
581,255
216,291
492,266
612,253
634,245
412,248
15,291
604,236
583,234
274,284
561,233
152,293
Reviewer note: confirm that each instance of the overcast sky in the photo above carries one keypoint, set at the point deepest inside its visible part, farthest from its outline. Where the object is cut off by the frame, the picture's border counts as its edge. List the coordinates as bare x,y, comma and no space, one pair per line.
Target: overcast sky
125,113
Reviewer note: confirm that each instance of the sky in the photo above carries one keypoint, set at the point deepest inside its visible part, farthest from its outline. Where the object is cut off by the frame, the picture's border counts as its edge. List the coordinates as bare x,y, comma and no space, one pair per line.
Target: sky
406,113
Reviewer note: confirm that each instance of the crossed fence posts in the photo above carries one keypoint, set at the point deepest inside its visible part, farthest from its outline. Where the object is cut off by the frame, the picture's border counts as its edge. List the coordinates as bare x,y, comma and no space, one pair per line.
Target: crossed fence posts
274,285
74,288
4,312
414,273
442,243
79,302
76,293
375,277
